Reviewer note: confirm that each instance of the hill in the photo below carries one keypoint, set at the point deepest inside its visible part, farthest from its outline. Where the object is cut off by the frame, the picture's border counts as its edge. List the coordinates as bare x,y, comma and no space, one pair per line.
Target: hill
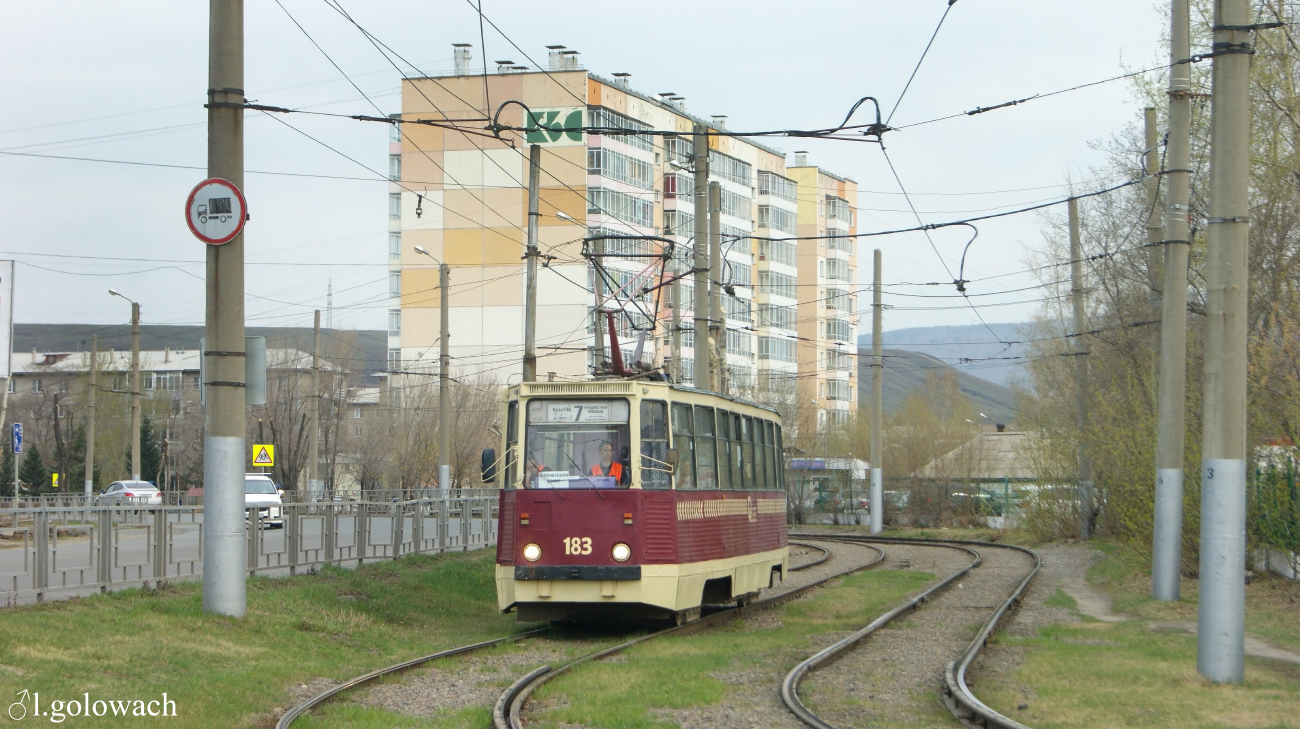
953,343
364,351
906,370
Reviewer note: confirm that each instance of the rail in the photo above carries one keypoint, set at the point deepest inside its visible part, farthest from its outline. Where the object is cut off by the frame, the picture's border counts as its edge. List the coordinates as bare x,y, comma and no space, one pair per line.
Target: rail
77,550
509,707
957,695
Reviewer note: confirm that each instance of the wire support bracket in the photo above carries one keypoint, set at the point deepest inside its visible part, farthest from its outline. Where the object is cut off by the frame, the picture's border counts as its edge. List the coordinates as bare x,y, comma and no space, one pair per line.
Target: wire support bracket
225,383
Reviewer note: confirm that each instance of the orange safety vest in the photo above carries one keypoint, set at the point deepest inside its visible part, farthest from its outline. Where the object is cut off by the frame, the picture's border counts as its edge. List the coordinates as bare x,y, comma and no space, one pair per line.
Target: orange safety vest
615,470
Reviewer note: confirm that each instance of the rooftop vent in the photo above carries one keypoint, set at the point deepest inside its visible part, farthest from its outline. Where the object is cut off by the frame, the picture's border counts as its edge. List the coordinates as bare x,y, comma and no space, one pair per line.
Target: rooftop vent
678,102
719,121
800,158
623,79
568,60
461,54
554,58
504,66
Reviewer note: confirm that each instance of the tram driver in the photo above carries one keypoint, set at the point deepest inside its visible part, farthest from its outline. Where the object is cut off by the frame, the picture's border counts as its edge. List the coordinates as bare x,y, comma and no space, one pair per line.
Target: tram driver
608,466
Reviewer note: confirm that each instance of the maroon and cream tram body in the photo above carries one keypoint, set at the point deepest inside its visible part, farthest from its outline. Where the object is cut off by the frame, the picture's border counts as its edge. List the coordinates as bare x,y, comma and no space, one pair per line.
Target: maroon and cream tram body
632,500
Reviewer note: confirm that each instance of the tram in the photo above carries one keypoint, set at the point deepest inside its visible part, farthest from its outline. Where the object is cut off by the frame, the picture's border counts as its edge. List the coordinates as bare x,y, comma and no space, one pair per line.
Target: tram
631,500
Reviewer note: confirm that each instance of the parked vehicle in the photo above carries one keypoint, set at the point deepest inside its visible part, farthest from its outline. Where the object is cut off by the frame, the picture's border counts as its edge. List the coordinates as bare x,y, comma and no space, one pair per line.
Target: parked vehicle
262,492
132,493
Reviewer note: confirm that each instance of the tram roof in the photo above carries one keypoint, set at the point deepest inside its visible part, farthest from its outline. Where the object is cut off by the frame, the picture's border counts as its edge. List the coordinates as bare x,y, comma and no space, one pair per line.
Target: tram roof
550,389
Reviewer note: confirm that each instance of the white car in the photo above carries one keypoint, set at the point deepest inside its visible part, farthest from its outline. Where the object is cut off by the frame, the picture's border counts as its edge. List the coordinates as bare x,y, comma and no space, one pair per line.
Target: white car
261,491
134,493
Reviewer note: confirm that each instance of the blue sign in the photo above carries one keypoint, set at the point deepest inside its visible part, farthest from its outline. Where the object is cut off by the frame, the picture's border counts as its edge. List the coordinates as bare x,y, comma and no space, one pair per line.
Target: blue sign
809,463
18,437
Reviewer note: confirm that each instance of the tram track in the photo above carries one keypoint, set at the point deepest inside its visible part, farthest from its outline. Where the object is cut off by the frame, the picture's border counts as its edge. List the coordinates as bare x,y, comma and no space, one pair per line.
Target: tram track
322,697
508,711
958,697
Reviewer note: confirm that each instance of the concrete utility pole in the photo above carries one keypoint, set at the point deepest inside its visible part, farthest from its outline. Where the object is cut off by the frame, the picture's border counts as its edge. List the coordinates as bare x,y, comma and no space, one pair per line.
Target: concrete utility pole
1220,638
224,550
135,391
675,336
444,376
701,243
598,248
313,453
717,320
877,402
1166,551
1080,374
1155,225
530,290
90,415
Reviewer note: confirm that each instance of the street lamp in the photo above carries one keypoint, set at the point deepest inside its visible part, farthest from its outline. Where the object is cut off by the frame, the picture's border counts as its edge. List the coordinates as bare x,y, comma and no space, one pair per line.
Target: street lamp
135,384
444,363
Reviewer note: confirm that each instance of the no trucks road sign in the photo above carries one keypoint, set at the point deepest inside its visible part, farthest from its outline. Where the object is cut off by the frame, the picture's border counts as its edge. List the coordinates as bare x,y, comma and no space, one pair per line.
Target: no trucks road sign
216,211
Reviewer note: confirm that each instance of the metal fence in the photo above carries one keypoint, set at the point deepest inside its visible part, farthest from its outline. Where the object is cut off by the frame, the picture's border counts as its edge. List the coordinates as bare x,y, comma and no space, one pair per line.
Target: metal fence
78,550
187,498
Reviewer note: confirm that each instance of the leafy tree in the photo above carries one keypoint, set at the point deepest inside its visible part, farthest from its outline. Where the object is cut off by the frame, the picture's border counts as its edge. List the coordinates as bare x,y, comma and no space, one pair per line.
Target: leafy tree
76,475
6,464
32,472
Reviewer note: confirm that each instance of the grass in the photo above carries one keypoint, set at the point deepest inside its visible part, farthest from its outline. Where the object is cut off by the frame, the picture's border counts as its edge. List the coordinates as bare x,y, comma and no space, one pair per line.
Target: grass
233,672
692,671
1141,674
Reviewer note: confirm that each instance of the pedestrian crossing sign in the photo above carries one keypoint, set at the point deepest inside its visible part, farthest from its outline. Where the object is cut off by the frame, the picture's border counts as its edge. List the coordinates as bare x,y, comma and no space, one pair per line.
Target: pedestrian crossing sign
263,455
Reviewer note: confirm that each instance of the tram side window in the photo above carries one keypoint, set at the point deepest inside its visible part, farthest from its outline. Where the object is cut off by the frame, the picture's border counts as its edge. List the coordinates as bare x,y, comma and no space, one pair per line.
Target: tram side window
511,455
724,452
780,460
769,457
654,445
738,480
747,444
706,459
760,473
684,442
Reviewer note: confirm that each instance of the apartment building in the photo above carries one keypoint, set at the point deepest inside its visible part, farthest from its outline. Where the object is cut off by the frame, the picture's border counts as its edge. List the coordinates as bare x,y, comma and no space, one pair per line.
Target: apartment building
827,279
461,195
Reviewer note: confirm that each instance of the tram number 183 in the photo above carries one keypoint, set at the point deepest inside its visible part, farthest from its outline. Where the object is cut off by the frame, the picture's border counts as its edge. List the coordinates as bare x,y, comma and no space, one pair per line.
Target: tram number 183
577,545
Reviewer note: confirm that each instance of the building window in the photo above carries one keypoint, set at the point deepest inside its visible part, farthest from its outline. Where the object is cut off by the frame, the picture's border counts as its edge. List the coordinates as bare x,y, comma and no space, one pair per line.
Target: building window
775,251
839,209
394,206
395,129
779,284
740,343
394,321
36,385
730,168
680,150
394,284
773,315
838,300
395,167
394,245
838,390
146,381
602,117
737,309
198,383
839,242
632,209
775,218
770,183
736,205
356,413
776,348
394,360
620,167
678,222
168,381
837,361
839,330
838,270
742,274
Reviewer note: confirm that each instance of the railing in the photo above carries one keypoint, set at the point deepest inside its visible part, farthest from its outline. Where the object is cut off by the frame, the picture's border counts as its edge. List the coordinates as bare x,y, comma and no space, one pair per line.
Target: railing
77,550
183,498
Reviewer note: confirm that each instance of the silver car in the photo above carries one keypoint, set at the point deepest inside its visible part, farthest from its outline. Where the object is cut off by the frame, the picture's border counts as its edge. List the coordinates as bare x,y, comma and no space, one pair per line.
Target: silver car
132,493
261,491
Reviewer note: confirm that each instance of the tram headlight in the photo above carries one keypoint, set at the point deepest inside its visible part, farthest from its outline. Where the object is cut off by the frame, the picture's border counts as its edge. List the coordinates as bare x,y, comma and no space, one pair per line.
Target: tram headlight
532,552
621,552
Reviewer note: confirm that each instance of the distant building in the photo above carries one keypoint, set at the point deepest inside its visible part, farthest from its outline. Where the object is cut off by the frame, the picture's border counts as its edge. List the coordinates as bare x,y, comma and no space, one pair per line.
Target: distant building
462,196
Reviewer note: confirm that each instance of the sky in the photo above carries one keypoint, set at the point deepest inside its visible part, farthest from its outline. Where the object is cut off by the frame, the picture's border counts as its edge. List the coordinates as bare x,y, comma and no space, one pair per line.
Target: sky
126,81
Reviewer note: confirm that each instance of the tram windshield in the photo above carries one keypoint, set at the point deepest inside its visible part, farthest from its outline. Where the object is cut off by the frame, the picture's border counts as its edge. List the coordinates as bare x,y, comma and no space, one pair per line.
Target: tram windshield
577,444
